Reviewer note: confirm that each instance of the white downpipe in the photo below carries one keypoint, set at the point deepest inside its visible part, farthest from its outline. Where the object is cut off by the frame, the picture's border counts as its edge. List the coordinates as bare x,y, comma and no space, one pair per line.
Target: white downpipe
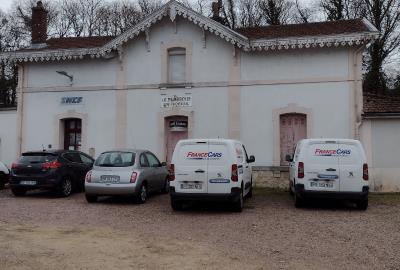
358,104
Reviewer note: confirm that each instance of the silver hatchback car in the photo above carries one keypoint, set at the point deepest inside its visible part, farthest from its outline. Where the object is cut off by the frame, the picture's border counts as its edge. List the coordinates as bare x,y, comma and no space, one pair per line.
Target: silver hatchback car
126,172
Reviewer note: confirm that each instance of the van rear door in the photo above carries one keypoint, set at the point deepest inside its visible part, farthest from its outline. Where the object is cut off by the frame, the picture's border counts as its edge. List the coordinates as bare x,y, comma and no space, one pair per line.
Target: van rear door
351,160
219,167
321,166
191,167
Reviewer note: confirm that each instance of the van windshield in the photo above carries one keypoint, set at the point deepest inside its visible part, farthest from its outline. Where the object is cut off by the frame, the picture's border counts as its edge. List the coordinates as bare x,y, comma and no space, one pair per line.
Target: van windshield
115,159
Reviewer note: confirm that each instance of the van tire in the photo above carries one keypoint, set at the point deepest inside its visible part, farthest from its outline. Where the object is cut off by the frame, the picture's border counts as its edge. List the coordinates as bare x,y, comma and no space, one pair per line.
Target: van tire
18,192
175,205
3,180
238,203
290,189
250,193
298,202
91,198
362,204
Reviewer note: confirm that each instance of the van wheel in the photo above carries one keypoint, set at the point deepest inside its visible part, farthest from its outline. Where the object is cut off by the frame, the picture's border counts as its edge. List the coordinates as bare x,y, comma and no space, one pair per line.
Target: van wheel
176,206
142,195
3,179
362,204
250,193
290,189
298,202
165,189
91,198
18,192
238,204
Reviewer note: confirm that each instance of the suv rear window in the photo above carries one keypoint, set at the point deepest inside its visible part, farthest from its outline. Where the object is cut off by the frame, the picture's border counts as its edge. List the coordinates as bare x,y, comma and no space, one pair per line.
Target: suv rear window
116,159
34,158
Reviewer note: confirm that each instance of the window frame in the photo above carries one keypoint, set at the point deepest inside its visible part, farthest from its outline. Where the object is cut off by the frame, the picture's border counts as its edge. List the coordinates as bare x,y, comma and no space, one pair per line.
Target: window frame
176,51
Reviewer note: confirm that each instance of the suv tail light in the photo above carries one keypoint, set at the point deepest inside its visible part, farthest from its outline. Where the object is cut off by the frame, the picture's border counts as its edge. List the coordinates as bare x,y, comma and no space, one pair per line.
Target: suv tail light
171,172
300,170
365,172
88,177
51,165
234,176
133,177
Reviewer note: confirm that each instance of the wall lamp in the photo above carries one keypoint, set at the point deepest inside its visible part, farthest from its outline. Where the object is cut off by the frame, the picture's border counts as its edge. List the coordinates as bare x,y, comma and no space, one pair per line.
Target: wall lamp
64,73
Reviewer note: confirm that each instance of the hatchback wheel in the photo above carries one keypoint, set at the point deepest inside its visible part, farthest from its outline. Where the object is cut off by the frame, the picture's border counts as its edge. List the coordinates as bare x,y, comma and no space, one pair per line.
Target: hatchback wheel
66,187
142,196
18,192
165,189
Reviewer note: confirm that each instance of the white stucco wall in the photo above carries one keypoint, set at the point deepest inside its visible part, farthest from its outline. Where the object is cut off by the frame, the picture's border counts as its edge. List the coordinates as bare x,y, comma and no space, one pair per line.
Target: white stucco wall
8,137
381,140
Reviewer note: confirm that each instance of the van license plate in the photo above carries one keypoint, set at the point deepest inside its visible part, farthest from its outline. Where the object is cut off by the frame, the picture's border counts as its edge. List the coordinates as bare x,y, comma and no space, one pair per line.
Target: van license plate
321,184
190,186
28,183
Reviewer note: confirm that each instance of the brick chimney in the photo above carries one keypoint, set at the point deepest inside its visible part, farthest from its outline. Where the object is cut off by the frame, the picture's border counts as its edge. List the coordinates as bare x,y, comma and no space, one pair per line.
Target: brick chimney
39,24
216,10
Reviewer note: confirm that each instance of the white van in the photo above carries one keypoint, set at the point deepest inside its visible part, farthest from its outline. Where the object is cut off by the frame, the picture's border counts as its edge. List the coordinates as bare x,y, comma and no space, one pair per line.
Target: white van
334,168
210,169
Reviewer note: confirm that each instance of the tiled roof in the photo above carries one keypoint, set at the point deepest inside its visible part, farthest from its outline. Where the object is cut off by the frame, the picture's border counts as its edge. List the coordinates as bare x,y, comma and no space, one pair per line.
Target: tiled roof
305,29
381,104
74,43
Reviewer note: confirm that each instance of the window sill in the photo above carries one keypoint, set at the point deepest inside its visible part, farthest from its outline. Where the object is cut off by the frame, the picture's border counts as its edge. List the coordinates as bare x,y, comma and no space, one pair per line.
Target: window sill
5,109
164,86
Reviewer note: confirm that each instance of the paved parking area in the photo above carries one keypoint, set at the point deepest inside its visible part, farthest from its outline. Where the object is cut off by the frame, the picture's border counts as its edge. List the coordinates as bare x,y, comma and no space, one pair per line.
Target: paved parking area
40,231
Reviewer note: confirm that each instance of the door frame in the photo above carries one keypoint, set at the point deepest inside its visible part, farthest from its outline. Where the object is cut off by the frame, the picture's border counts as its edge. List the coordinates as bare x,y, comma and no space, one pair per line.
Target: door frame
276,119
59,130
162,117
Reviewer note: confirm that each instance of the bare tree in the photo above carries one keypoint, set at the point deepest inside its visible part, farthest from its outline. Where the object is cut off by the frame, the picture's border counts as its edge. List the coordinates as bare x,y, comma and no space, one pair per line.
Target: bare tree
276,12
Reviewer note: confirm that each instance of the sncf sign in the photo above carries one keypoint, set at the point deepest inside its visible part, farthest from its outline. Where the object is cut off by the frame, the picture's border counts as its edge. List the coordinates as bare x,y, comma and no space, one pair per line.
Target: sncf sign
71,100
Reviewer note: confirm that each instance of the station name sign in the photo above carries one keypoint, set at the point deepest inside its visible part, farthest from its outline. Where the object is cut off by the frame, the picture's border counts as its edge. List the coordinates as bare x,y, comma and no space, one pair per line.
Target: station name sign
173,101
71,100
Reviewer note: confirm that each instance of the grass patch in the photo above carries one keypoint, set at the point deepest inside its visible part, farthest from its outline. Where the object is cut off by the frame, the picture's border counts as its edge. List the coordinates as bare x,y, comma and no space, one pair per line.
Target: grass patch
385,198
269,191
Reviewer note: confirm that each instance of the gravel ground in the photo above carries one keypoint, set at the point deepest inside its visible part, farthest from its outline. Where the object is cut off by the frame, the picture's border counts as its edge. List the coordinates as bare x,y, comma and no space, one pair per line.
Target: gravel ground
41,231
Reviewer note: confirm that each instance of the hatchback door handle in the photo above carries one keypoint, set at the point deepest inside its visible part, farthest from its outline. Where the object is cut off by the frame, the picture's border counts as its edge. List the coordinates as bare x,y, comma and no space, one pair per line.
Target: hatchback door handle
331,170
199,171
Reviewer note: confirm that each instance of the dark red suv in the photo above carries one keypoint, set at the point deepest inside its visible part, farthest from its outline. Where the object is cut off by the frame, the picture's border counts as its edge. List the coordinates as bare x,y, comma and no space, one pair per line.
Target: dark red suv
62,171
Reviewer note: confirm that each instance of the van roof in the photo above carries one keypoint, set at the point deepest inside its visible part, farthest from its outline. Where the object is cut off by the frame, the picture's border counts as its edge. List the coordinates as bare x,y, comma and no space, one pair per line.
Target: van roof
322,140
218,140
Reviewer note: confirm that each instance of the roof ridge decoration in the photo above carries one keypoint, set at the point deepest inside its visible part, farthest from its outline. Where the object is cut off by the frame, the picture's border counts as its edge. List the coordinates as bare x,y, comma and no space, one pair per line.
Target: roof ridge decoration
173,9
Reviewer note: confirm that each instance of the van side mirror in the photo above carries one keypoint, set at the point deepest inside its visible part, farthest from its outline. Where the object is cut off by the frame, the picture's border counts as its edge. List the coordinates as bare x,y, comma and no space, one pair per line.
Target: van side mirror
289,158
251,159
164,164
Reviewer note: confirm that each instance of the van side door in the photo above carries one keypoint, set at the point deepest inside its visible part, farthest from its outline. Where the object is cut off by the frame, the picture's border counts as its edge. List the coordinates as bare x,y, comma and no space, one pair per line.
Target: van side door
247,172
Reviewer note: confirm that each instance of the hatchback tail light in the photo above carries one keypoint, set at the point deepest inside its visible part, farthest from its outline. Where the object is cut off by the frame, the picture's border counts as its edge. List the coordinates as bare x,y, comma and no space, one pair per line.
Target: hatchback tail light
234,176
300,170
88,177
365,172
134,177
14,165
51,165
171,172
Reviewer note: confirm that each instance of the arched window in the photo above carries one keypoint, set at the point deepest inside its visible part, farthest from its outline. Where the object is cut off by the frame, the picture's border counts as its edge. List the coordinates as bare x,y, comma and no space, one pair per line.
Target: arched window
293,128
177,65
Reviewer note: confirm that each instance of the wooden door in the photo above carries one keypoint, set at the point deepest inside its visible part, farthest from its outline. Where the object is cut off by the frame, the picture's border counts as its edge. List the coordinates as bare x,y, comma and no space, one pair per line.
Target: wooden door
72,134
293,128
176,130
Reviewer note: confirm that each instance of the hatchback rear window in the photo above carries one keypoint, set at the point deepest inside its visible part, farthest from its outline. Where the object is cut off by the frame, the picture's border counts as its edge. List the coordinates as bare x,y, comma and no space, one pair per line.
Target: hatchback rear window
34,158
116,159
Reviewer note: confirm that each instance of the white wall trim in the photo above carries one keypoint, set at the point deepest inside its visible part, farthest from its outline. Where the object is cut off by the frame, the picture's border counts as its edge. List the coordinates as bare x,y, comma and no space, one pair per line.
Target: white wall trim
276,113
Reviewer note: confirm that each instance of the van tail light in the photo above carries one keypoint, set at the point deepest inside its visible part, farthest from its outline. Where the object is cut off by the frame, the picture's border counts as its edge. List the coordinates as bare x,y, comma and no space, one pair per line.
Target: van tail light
88,177
51,165
171,172
300,170
234,176
365,172
134,177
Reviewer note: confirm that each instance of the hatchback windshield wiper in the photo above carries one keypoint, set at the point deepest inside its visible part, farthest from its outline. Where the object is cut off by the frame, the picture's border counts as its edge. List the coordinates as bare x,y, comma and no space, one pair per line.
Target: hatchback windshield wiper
106,165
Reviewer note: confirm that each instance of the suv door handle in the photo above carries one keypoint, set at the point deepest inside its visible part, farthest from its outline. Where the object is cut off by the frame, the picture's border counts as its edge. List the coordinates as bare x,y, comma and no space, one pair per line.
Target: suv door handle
199,171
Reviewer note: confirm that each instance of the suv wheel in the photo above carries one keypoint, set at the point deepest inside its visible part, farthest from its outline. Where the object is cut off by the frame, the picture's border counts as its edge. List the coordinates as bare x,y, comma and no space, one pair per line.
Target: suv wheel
91,198
142,195
18,192
238,204
66,187
362,204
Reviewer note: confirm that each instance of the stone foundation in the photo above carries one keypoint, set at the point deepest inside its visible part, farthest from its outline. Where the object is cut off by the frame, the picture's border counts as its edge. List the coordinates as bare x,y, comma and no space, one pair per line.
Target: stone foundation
271,177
